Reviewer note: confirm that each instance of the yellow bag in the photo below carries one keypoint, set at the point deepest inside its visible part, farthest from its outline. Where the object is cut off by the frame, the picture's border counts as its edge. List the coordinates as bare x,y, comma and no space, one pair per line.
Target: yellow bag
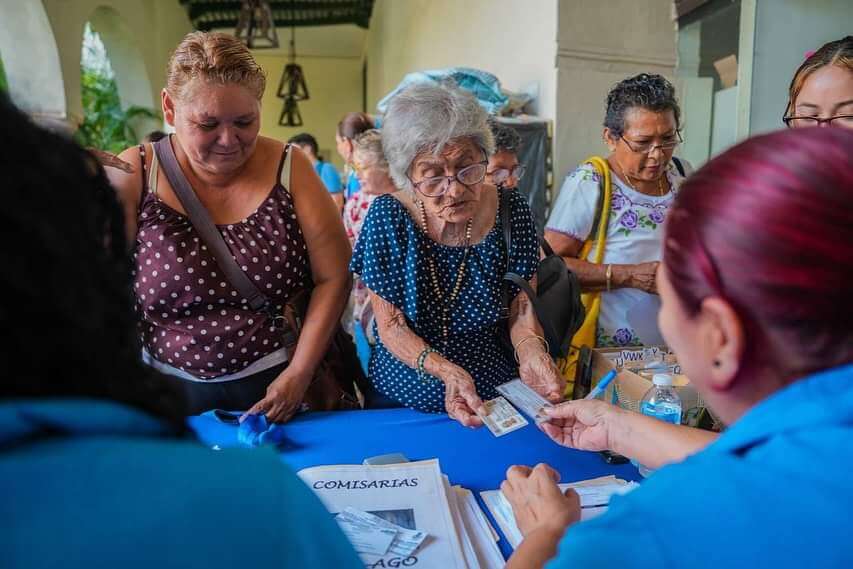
585,336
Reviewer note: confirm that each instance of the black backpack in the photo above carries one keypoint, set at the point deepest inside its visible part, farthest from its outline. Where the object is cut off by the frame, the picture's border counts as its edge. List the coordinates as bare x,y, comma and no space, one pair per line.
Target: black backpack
557,298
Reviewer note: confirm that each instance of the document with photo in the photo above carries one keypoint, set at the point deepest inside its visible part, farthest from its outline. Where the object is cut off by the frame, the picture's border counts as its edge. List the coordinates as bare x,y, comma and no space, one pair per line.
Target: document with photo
525,399
410,496
501,418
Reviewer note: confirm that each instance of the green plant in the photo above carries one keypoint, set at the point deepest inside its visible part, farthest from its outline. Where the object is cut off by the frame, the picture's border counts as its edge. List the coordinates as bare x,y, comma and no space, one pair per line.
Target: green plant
4,86
106,125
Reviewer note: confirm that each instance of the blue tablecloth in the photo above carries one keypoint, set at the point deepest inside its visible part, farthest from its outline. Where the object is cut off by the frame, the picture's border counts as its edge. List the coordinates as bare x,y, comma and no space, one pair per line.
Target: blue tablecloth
473,458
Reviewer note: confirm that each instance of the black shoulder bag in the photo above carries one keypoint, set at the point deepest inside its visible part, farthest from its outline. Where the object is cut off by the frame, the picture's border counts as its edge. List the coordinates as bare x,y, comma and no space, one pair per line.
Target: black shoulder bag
557,298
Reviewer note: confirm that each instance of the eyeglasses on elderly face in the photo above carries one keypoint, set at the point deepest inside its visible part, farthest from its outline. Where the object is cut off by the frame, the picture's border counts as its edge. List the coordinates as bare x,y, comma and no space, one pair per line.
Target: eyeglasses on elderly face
501,175
436,186
668,144
802,122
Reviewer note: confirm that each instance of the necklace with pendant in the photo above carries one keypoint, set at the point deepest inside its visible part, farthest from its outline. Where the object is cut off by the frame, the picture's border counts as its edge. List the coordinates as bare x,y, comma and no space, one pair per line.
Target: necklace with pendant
446,304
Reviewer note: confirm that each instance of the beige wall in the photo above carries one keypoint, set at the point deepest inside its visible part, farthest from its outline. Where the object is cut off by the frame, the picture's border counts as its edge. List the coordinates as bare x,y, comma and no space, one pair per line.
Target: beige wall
334,84
513,39
600,43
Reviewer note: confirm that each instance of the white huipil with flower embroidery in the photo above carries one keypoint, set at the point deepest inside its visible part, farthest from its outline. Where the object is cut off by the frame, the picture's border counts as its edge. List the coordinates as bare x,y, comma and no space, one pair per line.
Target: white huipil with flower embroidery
634,235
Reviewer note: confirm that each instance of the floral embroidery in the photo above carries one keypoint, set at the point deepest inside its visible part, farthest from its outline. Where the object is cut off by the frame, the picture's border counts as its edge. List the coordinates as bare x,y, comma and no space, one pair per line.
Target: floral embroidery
621,337
639,214
629,220
586,174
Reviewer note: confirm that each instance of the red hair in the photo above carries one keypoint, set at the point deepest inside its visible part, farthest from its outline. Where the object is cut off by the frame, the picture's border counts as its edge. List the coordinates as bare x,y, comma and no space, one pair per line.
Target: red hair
768,226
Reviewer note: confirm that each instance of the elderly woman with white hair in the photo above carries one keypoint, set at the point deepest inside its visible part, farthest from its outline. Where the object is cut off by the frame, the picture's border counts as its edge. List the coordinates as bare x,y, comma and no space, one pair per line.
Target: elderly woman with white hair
433,257
371,168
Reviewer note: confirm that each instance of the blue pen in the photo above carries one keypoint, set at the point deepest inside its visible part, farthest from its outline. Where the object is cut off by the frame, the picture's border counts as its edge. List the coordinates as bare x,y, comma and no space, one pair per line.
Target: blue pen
601,385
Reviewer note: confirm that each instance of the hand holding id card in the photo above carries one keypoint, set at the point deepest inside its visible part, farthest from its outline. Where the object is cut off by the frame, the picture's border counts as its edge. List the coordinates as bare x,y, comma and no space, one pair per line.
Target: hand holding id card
526,399
501,417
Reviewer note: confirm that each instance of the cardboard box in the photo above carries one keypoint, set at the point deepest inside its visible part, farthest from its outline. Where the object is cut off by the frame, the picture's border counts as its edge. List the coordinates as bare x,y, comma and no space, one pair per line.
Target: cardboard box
727,70
628,389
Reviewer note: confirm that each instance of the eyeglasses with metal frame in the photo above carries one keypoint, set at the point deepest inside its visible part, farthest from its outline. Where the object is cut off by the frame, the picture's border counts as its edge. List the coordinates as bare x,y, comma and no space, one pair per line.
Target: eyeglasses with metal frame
501,175
648,147
437,186
803,122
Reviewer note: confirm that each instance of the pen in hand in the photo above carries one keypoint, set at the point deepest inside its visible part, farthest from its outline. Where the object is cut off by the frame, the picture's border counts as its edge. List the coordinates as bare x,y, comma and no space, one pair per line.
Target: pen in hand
601,385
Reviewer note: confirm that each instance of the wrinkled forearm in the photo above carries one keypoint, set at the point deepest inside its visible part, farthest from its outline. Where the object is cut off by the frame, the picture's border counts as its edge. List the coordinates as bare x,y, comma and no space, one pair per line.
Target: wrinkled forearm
593,276
523,322
402,341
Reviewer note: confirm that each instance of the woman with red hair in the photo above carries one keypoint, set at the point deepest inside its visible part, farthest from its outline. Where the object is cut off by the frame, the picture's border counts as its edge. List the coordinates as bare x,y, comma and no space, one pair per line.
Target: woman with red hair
755,289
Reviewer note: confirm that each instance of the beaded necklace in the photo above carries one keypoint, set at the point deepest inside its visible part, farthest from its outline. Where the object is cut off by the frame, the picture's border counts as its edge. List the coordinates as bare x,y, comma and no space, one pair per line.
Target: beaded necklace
433,272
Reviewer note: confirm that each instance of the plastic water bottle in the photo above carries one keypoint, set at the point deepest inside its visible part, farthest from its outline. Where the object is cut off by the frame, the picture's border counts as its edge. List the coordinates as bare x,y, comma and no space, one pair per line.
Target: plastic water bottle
661,402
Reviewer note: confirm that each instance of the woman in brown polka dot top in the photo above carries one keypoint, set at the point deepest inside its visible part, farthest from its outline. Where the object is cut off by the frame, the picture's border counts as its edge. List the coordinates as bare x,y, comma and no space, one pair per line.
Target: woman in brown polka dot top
284,234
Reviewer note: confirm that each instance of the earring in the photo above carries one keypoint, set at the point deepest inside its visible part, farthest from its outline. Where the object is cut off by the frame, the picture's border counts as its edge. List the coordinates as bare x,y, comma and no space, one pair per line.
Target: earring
717,363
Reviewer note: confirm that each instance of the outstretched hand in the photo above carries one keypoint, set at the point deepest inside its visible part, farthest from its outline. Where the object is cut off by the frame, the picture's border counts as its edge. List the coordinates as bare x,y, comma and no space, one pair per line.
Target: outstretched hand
582,424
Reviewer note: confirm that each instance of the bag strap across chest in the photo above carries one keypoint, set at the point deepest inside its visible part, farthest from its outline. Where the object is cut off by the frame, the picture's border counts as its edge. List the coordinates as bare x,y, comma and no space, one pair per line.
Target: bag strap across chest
205,227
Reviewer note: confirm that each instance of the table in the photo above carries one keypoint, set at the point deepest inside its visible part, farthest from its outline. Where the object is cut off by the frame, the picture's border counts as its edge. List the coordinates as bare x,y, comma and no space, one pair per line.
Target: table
473,458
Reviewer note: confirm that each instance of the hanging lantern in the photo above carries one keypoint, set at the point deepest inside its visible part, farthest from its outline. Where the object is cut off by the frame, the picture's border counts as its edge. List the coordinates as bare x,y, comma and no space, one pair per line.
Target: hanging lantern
292,87
292,82
290,115
256,26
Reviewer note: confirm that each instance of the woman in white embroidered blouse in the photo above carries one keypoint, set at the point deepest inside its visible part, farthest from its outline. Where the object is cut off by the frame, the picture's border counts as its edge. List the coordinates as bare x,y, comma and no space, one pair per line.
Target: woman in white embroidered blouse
641,130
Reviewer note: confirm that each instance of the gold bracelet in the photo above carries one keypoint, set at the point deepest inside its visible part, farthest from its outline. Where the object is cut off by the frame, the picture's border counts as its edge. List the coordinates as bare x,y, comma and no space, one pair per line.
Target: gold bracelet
608,274
520,342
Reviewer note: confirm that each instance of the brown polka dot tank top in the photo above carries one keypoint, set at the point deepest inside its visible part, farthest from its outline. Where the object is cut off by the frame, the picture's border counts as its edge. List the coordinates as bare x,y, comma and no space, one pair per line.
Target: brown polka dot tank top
190,316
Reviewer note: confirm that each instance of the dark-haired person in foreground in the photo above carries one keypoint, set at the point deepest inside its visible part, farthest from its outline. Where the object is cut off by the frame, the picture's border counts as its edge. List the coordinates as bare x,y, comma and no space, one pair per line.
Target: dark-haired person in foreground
755,284
641,130
95,464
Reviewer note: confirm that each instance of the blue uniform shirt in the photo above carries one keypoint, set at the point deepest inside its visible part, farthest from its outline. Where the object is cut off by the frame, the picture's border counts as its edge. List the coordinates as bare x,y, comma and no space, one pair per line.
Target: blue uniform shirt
353,185
772,491
96,484
331,178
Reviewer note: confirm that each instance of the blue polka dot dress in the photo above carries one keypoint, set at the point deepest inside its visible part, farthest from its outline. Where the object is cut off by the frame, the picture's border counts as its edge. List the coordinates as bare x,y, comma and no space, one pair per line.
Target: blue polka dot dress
390,258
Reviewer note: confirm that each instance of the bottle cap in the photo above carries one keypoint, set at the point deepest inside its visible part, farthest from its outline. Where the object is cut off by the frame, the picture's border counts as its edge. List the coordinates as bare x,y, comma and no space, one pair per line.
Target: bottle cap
662,379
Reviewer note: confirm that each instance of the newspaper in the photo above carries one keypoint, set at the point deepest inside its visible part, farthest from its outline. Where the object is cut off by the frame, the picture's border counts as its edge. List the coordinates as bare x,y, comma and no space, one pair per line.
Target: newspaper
594,496
411,495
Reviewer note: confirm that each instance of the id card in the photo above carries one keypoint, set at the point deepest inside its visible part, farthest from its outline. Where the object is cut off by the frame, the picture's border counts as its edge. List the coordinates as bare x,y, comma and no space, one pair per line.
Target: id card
528,401
501,417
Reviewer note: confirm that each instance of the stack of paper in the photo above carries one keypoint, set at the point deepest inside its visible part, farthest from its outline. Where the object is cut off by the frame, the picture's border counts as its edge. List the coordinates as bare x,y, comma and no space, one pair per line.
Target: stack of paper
594,495
406,514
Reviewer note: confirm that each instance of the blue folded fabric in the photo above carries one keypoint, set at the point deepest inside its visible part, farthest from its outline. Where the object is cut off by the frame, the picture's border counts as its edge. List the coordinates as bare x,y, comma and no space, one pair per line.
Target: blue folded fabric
255,430
485,86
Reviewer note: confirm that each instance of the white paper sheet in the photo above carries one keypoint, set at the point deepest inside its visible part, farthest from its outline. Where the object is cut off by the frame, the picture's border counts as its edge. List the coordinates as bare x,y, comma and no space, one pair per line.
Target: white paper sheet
594,495
482,534
411,495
